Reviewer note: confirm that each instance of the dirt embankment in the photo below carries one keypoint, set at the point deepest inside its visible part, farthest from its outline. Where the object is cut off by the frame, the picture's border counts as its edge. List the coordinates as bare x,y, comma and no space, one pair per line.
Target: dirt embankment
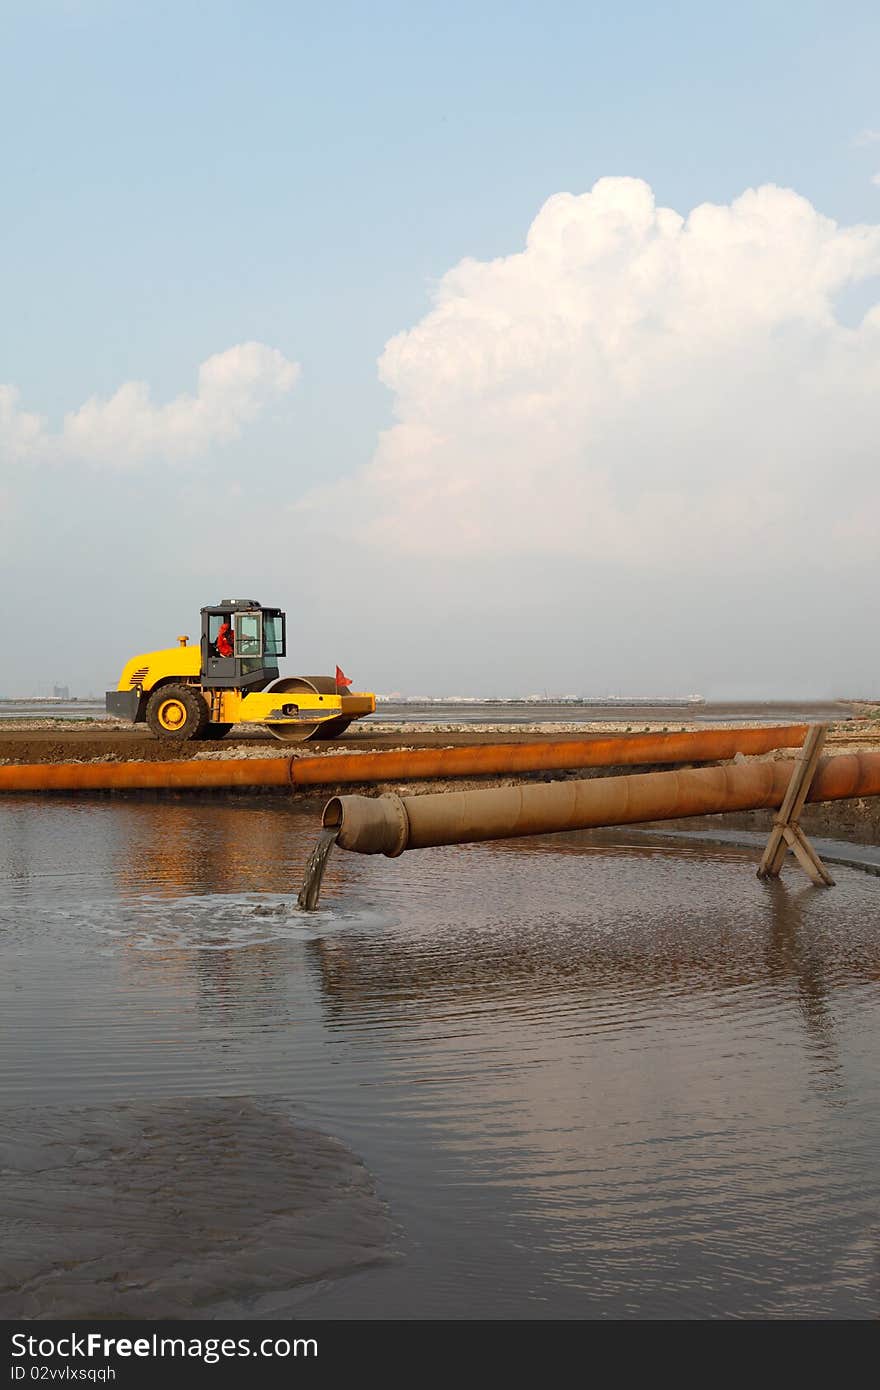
49,744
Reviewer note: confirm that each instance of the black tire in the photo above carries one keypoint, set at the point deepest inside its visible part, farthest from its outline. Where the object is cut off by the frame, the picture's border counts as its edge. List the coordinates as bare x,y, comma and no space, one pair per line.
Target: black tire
177,700
216,730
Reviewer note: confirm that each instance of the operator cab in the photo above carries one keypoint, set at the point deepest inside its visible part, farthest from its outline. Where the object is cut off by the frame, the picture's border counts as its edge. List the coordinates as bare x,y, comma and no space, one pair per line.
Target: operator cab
241,644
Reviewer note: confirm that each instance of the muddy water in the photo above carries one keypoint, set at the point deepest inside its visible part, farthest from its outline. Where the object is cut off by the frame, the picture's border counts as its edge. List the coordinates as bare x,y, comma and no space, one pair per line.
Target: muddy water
607,1075
316,866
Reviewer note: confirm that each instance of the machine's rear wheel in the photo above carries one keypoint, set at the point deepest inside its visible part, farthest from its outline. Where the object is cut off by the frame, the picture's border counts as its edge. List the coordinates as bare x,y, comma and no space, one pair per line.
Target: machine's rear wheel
315,685
299,733
333,728
178,712
318,685
293,733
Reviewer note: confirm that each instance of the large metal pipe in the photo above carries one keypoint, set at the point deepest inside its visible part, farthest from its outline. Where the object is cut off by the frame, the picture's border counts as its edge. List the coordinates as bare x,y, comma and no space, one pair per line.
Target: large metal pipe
618,750
84,777
402,765
391,824
339,769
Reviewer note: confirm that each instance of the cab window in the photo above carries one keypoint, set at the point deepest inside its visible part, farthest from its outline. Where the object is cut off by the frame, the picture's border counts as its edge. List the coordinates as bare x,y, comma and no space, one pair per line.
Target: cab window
248,634
273,634
215,622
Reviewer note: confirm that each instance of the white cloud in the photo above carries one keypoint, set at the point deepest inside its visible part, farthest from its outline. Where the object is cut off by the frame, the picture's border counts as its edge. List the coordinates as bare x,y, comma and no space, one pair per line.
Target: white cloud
867,137
20,432
234,387
634,386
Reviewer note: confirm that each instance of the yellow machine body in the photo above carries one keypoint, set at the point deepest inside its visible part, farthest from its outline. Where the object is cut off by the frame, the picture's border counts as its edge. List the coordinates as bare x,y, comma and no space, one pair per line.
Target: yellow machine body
152,668
181,665
178,692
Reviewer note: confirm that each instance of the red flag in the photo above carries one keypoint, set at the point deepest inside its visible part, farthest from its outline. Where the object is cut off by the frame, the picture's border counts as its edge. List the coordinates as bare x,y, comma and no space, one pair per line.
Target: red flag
342,680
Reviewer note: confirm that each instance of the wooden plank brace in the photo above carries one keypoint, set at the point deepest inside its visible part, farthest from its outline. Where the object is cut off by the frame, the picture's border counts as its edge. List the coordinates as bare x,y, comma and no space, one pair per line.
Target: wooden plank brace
786,833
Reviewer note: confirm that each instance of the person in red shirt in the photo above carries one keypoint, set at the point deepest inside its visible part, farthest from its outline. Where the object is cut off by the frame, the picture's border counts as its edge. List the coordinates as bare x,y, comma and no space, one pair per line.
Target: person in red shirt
223,642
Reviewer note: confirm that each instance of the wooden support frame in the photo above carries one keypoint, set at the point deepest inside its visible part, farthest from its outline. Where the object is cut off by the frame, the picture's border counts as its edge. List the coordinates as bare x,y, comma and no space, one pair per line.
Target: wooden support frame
786,833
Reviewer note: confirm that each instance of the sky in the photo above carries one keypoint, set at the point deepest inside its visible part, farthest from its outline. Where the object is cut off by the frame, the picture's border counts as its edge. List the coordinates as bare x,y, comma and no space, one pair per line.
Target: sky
511,348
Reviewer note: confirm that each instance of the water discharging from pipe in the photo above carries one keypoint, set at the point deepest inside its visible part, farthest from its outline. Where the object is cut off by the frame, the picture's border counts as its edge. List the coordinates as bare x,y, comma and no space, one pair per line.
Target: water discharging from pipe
317,863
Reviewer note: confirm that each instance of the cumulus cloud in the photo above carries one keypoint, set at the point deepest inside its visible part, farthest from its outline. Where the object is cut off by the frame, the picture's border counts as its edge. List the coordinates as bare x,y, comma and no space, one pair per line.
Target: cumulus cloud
635,385
234,387
20,431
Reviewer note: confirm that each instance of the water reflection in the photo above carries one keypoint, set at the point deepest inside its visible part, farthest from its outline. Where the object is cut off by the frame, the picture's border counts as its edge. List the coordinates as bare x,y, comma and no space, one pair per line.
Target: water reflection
681,950
794,954
208,849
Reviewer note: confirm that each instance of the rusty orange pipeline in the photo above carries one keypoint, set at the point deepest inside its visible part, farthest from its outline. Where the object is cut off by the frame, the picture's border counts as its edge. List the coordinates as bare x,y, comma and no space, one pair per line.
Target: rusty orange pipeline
619,750
338,769
390,824
65,777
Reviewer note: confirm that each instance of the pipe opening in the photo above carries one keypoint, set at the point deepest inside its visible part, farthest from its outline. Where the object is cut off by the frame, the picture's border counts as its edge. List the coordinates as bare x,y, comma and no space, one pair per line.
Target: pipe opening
369,824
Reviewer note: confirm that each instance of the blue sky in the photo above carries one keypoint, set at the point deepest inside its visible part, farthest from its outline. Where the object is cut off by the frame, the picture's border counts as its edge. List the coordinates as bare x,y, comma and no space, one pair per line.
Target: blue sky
181,178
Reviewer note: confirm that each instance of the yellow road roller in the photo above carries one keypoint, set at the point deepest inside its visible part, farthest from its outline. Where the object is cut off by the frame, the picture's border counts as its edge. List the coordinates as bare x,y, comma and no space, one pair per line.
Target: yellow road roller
232,677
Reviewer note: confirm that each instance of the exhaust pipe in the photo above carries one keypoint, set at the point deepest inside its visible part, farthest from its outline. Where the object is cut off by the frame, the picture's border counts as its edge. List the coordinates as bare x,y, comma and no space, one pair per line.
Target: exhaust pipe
391,824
